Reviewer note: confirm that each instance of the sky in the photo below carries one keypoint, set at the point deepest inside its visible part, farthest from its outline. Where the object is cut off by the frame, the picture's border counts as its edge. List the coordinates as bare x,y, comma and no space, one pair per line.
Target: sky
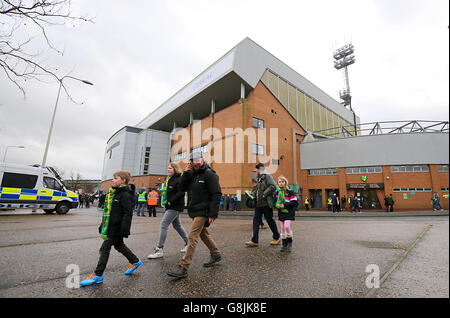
138,57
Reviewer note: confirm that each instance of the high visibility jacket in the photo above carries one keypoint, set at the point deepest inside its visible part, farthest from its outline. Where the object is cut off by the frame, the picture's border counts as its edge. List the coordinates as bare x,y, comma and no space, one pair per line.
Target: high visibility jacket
141,197
153,198
306,201
330,201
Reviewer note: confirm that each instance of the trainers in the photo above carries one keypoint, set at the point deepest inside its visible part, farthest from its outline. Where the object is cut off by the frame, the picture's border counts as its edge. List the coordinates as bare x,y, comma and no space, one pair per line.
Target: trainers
275,242
93,279
184,249
212,260
133,267
251,244
179,272
158,253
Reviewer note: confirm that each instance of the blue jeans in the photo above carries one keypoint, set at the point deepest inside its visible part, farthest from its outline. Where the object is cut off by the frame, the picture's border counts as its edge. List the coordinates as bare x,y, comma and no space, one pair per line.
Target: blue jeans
141,208
257,220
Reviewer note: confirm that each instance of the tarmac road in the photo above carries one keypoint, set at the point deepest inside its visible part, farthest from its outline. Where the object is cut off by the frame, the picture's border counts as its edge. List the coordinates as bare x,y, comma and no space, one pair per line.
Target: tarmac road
329,258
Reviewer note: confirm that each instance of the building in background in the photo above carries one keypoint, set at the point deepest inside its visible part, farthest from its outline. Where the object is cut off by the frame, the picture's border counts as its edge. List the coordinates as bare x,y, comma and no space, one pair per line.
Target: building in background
250,107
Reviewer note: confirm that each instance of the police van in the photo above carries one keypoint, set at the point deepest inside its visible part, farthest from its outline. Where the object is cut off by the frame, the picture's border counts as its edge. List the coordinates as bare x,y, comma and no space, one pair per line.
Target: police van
33,187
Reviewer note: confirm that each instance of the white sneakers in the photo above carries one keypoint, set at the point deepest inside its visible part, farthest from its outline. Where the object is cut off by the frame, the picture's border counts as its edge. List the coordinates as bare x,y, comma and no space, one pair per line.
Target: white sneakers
159,252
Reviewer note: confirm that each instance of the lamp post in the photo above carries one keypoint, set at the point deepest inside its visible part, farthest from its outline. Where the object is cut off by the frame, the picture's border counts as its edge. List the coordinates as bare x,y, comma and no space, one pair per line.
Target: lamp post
4,157
54,112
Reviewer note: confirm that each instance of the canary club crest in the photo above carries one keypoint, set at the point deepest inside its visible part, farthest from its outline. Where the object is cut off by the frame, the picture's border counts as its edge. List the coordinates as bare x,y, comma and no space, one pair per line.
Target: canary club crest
364,178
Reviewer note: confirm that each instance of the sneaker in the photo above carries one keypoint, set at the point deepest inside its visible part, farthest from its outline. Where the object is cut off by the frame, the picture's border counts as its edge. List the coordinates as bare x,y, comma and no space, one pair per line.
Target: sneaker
93,279
212,260
179,272
158,253
184,249
133,267
275,242
251,244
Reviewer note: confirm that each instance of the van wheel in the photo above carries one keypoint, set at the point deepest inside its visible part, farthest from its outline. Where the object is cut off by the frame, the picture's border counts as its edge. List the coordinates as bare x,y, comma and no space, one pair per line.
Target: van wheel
62,208
49,211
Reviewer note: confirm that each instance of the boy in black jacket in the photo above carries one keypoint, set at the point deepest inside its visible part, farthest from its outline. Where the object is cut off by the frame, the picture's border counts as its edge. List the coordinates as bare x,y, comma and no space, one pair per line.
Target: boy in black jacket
116,223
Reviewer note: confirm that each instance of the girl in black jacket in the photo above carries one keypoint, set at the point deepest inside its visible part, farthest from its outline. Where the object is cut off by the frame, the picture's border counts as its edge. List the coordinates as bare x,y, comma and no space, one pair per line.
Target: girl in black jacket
116,223
286,205
172,198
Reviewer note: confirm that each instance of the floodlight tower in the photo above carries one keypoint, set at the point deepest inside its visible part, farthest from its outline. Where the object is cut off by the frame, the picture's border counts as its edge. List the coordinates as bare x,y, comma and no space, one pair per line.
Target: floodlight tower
343,57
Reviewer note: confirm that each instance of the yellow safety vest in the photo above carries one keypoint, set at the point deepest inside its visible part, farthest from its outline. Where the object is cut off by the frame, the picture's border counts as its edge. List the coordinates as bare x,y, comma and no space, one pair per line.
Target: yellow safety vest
329,201
306,201
141,197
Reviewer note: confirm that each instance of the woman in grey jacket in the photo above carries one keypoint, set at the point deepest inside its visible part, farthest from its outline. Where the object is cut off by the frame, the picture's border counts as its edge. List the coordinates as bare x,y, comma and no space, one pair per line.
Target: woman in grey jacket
172,198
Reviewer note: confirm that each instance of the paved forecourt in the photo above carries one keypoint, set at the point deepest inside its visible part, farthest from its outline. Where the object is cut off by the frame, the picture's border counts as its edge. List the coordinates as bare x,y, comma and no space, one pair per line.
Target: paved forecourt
329,257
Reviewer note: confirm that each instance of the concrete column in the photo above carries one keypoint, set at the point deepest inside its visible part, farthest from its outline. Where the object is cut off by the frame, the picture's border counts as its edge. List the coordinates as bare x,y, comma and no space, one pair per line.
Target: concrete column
242,90
213,106
191,118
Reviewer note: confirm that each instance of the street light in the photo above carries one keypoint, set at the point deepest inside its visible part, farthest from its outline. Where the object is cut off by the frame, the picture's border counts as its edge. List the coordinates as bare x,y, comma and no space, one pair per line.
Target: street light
4,157
54,112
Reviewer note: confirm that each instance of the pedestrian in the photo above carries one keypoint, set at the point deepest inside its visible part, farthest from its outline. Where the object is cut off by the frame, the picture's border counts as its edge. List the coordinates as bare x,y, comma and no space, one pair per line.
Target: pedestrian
202,184
234,202
437,202
87,200
142,198
172,199
386,202
80,200
152,202
227,202
306,204
101,200
334,202
356,204
343,202
221,203
286,205
391,203
265,202
330,204
115,226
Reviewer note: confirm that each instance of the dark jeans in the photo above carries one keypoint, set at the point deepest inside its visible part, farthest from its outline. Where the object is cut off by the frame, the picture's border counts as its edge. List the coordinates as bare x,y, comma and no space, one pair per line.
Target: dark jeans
119,245
257,219
152,210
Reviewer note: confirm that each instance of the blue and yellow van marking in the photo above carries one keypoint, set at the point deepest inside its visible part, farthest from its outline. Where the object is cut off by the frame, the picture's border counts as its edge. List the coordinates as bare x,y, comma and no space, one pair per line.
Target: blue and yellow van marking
35,195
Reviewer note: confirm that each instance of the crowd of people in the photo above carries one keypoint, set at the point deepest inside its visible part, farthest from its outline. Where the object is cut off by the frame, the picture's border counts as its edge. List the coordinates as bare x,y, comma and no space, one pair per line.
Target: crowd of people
205,200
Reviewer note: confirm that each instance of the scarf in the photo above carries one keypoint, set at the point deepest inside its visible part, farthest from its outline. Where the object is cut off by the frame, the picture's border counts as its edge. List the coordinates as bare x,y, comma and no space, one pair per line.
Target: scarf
281,200
164,192
107,210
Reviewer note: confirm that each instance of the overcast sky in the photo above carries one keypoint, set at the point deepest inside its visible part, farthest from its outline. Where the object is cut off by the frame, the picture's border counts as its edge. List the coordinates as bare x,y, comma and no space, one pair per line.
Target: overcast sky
138,56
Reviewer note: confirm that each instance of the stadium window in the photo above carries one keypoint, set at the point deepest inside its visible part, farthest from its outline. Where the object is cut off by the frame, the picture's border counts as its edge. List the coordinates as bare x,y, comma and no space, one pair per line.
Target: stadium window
257,123
443,168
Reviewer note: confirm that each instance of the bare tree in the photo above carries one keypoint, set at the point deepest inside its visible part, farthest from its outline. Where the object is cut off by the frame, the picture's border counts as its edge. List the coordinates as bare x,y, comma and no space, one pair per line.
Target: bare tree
18,59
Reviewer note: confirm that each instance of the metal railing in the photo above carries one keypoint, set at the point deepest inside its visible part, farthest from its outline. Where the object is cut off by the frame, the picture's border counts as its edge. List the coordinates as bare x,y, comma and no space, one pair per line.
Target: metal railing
386,127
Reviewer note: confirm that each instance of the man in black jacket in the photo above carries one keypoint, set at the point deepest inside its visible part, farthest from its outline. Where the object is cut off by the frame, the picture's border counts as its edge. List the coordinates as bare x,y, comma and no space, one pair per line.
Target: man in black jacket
202,184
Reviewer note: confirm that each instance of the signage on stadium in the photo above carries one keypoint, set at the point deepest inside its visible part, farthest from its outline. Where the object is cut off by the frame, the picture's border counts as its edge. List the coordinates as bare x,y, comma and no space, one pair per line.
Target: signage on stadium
365,185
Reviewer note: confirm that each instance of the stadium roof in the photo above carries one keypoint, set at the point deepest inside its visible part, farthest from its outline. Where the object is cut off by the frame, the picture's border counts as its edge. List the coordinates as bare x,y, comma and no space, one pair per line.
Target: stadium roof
245,63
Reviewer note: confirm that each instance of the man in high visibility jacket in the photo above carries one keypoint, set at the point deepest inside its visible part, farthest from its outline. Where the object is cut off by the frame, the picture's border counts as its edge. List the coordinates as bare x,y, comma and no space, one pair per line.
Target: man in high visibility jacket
330,204
142,198
307,204
152,202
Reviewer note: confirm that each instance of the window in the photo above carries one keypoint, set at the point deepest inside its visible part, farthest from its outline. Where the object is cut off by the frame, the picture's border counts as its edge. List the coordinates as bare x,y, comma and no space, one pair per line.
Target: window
443,168
444,189
19,180
179,156
146,159
410,168
203,149
276,162
360,170
417,189
254,176
324,172
257,123
51,183
257,149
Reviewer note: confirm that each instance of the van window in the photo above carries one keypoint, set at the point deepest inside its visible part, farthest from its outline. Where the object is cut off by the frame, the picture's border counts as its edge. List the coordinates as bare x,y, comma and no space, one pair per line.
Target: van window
51,183
19,180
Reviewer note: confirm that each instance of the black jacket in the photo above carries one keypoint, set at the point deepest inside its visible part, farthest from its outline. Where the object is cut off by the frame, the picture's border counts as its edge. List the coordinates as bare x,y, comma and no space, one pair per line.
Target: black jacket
290,204
175,197
121,212
204,191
